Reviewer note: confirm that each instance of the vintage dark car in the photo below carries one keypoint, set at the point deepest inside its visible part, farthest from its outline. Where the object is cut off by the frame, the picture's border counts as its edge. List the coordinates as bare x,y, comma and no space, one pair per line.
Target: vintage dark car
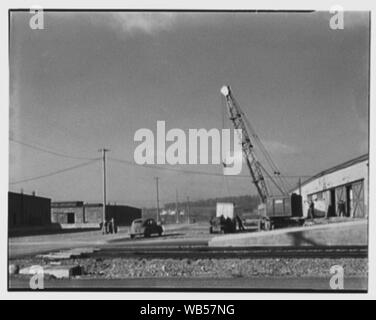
216,225
145,228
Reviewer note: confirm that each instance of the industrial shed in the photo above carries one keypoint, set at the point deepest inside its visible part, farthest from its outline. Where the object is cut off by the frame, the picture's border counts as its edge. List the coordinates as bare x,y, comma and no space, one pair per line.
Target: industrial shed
346,183
28,210
80,213
68,212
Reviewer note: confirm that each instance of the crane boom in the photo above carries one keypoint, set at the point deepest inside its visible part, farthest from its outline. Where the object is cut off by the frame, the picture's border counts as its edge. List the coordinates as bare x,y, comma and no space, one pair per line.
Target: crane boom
254,166
280,209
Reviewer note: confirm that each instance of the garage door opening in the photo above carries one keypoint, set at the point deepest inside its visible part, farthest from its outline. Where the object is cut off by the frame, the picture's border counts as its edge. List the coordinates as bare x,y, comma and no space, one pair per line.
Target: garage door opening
70,218
332,203
358,208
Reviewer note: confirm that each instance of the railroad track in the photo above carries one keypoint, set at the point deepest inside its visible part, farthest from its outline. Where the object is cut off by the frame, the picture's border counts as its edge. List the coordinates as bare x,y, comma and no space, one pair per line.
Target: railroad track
204,252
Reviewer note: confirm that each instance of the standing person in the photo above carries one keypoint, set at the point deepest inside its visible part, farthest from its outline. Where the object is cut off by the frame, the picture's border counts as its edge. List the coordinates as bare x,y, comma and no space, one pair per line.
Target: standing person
114,225
222,223
240,223
329,213
311,210
229,225
111,226
344,209
341,208
105,227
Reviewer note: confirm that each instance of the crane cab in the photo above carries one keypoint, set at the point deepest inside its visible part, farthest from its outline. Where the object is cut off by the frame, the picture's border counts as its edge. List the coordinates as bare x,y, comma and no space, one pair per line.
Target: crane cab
281,211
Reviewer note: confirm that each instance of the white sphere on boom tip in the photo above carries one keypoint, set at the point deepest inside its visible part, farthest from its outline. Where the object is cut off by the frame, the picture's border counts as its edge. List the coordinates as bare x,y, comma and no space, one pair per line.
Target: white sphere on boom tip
225,90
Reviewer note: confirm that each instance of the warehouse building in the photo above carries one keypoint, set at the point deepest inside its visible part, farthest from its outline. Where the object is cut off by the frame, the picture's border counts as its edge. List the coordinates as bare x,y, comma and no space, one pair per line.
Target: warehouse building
339,191
80,213
28,211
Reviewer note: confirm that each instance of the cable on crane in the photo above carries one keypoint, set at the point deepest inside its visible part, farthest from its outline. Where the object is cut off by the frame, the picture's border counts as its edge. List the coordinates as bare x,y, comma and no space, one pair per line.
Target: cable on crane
264,151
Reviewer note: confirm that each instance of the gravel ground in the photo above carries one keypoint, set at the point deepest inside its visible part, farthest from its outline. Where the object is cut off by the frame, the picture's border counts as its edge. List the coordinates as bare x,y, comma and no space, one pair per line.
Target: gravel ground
119,268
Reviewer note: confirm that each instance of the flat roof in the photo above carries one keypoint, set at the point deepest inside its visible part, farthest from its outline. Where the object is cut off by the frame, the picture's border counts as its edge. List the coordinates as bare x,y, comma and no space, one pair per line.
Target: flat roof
343,165
76,204
67,204
91,205
18,194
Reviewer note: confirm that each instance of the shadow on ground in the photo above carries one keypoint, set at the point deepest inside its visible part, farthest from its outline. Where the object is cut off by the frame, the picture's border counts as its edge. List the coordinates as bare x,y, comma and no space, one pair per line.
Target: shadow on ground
299,239
127,238
48,230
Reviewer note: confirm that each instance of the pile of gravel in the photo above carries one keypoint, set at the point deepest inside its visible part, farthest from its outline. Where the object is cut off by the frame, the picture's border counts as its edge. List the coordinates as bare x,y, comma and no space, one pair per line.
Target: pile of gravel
120,268
149,268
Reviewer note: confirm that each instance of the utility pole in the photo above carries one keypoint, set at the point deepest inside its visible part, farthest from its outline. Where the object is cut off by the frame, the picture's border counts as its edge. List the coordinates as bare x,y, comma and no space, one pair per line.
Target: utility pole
176,207
103,150
157,184
188,210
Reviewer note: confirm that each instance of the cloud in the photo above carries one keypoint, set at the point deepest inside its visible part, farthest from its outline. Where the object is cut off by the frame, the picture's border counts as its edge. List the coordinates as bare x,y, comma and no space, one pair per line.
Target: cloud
143,22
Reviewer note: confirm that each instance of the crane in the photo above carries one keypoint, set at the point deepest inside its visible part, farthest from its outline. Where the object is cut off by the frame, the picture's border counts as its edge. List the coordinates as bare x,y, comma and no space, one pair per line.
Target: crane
250,142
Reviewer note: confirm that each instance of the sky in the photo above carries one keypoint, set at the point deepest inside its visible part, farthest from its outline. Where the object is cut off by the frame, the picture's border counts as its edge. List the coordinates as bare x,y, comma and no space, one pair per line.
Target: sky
91,79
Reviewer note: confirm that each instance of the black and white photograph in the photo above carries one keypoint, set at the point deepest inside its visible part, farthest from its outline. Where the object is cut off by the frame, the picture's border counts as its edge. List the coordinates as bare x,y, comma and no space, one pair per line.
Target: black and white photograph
189,150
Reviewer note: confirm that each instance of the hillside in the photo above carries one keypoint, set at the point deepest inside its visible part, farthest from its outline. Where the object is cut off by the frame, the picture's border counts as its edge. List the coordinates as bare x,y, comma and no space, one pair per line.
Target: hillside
203,210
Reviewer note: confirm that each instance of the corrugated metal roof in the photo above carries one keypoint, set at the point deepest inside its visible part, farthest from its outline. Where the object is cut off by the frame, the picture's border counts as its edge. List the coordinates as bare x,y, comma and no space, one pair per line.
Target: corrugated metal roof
336,168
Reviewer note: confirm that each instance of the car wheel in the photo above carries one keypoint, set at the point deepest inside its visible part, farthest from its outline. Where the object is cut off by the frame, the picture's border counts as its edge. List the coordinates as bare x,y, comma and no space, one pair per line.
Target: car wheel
146,234
132,236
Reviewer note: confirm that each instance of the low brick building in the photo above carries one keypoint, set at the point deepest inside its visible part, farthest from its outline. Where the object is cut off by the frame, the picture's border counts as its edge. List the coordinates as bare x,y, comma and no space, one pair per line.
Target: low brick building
68,212
78,213
28,210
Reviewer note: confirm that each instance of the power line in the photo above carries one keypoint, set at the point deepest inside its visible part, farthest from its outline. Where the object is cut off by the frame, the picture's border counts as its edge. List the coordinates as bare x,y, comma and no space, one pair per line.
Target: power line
55,153
55,172
127,162
59,154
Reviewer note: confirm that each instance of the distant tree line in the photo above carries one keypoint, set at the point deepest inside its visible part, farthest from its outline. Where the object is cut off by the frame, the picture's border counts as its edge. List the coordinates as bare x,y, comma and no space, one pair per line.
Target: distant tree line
247,203
203,210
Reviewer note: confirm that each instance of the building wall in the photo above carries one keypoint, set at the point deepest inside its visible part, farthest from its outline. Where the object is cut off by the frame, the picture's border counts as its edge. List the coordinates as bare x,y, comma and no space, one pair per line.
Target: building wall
322,189
27,210
92,213
61,214
123,215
